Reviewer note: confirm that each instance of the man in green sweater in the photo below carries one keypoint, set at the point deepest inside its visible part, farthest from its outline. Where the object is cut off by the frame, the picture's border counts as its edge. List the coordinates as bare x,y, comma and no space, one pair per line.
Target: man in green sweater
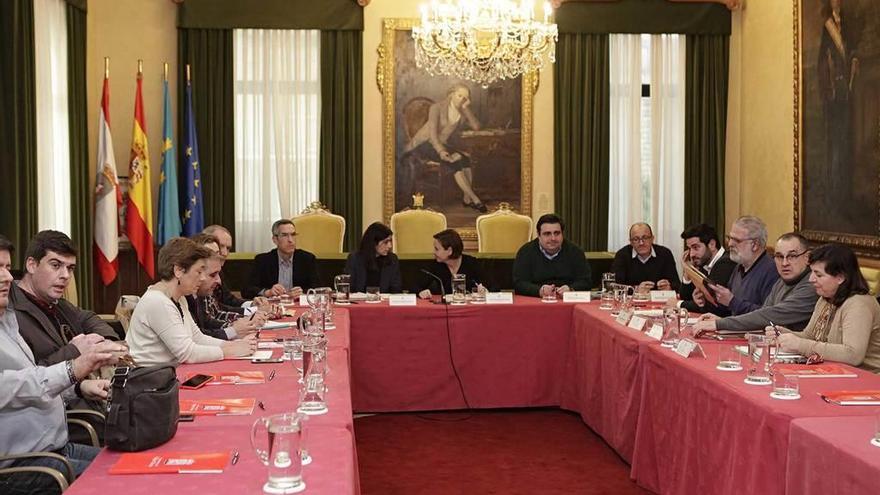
550,264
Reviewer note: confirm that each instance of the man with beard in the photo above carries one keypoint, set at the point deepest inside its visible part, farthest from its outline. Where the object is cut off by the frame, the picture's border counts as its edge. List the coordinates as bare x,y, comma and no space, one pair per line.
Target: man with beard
753,277
703,249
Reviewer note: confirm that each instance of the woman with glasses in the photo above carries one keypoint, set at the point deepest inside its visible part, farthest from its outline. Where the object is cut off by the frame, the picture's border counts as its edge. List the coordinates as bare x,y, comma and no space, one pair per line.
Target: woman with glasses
845,325
373,264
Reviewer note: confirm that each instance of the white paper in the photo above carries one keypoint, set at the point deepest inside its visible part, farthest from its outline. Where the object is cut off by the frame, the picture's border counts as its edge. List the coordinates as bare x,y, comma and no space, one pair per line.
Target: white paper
499,298
659,296
402,300
656,332
576,296
275,325
637,323
265,354
303,300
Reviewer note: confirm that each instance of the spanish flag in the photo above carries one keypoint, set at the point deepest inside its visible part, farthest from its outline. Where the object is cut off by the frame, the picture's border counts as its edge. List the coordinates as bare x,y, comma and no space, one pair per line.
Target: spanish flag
139,208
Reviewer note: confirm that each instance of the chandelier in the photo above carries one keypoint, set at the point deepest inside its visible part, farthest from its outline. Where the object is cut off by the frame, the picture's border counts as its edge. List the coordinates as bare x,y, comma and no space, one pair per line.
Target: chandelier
483,40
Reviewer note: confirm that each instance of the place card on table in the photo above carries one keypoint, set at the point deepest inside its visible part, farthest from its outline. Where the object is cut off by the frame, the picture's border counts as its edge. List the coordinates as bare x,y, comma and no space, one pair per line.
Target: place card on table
576,296
687,347
402,300
661,296
656,332
303,300
624,316
637,323
499,298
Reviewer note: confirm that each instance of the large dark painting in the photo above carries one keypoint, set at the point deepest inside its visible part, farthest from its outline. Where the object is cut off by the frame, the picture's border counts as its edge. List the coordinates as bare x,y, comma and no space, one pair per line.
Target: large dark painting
837,146
464,147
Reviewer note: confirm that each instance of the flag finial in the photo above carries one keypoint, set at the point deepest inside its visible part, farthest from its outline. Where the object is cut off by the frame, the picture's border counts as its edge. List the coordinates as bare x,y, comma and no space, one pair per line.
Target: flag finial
140,67
187,74
166,71
106,67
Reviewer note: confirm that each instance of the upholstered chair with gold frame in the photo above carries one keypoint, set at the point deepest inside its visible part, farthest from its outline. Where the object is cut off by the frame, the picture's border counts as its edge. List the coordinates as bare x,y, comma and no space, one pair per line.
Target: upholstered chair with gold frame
318,230
414,230
872,276
503,230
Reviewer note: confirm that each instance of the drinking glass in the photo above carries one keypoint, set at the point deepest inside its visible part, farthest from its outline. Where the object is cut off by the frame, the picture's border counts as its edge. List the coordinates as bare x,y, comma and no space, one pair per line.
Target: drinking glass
459,289
548,296
607,281
729,359
607,300
671,327
478,294
759,357
641,295
785,387
342,284
283,454
373,296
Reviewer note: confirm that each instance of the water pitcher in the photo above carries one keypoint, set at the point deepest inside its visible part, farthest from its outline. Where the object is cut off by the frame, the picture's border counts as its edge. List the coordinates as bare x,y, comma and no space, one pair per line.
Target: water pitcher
282,453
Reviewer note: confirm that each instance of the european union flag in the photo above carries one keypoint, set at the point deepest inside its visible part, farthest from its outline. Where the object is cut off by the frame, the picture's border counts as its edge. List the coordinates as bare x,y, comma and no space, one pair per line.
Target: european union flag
193,216
169,209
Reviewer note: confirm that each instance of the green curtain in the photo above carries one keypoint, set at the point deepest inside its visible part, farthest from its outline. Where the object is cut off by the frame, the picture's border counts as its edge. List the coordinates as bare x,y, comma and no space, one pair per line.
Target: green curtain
705,128
642,17
271,14
581,138
80,192
18,128
341,160
209,52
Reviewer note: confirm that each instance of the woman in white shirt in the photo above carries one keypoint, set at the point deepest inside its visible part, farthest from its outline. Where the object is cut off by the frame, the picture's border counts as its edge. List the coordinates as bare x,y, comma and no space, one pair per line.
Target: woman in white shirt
162,329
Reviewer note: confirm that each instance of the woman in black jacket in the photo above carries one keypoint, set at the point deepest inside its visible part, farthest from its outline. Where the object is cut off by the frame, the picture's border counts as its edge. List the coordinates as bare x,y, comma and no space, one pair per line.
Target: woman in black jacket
448,261
373,264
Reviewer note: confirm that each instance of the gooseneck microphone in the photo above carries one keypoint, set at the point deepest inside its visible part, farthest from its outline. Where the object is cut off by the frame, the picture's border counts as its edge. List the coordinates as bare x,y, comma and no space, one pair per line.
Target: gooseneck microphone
442,289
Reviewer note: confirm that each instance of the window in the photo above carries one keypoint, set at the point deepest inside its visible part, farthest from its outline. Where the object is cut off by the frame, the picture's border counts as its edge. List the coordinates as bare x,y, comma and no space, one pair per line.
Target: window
277,90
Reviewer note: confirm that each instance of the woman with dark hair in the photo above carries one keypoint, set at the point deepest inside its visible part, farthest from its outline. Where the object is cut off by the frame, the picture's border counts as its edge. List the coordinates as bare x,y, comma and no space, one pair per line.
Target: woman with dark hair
373,264
448,261
845,325
162,329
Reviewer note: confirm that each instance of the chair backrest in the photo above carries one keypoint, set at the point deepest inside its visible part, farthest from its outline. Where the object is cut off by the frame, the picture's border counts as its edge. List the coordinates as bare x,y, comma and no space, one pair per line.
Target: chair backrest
70,293
414,230
503,230
318,230
872,276
415,114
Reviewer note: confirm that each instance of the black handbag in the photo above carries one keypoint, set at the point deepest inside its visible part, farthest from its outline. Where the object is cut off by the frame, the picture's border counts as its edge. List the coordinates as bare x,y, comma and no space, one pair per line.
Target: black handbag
143,408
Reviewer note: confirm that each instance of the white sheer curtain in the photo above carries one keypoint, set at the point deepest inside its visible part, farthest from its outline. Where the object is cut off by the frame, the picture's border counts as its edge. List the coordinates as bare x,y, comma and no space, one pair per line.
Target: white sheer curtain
667,137
53,136
277,129
625,182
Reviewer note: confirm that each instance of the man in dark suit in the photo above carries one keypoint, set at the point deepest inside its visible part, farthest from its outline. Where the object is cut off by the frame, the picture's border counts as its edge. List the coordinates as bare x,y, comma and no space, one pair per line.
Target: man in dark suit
284,269
705,252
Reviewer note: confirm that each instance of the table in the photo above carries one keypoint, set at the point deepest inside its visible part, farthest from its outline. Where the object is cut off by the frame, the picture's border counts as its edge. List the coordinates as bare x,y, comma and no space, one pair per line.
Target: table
830,456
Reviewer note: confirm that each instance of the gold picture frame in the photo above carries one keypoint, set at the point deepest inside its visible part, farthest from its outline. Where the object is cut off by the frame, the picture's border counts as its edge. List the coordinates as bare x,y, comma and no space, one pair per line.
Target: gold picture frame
386,79
823,211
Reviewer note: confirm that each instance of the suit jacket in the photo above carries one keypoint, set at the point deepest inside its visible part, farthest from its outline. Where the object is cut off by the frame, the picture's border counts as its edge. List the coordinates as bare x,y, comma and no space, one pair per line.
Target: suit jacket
389,274
209,326
47,343
264,273
720,275
470,268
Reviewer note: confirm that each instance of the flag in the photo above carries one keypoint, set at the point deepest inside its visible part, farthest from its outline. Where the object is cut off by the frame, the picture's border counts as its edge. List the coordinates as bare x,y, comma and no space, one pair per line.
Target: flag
139,208
108,196
193,217
169,209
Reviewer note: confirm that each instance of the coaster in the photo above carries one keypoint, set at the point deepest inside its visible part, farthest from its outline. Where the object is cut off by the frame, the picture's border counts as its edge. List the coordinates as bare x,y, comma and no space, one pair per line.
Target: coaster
752,381
548,301
875,442
784,396
267,488
729,368
313,412
667,345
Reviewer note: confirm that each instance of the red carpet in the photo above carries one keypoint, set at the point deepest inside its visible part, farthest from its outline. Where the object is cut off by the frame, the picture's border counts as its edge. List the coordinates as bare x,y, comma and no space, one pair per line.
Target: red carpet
530,451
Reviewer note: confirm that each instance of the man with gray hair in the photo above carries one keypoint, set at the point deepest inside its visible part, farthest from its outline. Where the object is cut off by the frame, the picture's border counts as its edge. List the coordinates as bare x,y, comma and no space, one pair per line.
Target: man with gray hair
753,277
791,300
283,270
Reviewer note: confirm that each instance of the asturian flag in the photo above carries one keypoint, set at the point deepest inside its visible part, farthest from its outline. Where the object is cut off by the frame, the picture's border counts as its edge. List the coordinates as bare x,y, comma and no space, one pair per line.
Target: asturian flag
139,208
169,210
193,217
108,196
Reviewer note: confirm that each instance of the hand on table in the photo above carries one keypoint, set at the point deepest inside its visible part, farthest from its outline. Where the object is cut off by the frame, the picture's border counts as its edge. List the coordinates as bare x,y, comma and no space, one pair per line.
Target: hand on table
425,294
238,348
275,291
704,325
546,290
645,286
562,289
664,284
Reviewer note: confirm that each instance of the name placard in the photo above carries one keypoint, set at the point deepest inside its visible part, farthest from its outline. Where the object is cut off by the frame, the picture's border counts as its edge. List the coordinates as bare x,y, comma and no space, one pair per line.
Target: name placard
402,300
303,300
499,298
624,316
656,332
660,296
637,323
576,296
687,347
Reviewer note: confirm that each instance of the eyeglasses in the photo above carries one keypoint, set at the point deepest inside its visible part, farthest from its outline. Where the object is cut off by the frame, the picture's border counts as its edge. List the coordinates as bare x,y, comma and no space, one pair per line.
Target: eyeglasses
730,239
788,258
644,238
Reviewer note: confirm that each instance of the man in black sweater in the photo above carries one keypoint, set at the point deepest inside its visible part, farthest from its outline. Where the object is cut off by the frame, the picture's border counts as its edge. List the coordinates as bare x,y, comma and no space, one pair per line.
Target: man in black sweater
643,263
550,264
705,252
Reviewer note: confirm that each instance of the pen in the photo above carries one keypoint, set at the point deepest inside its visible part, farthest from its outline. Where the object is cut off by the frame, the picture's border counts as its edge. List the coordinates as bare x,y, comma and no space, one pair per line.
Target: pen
252,316
234,457
261,406
775,329
271,375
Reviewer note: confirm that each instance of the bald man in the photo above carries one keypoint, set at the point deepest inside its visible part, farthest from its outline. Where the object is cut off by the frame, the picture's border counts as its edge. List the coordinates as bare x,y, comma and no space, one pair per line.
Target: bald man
645,264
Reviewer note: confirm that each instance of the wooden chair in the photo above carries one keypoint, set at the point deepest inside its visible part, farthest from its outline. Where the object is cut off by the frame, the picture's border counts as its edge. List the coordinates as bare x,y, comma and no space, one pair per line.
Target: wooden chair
318,230
503,230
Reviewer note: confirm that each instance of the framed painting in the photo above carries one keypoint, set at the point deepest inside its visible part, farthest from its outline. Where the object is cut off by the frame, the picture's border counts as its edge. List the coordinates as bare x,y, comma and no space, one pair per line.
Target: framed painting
837,122
463,148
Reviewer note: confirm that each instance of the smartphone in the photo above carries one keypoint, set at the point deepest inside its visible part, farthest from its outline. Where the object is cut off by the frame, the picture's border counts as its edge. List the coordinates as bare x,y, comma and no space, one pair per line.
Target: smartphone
186,418
196,381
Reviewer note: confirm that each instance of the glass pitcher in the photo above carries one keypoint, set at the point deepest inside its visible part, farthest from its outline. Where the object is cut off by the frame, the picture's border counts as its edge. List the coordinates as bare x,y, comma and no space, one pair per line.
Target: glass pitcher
674,321
622,298
283,451
342,284
760,350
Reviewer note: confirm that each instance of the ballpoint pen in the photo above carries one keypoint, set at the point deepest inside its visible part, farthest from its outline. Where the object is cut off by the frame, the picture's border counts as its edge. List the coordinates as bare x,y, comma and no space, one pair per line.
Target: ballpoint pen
271,375
261,406
775,328
234,457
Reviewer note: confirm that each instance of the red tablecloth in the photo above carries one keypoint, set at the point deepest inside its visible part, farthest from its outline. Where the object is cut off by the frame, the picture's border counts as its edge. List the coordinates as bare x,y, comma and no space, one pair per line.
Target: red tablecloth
602,380
833,456
701,430
506,355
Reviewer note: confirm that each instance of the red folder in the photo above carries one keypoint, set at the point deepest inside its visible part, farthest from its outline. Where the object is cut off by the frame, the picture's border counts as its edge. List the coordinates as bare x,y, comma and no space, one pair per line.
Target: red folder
170,462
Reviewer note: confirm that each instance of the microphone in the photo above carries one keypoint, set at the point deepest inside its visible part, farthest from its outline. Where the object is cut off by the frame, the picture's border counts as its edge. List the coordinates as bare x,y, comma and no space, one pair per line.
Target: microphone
442,289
